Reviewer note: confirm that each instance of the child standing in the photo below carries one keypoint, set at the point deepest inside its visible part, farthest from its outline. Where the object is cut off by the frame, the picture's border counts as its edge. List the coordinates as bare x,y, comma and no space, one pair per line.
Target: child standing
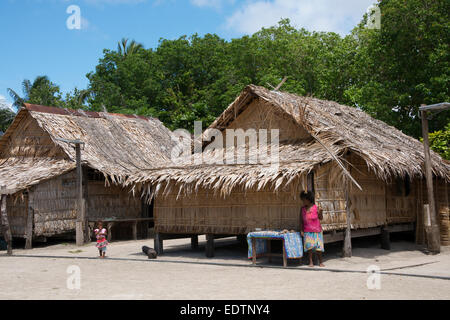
312,230
101,244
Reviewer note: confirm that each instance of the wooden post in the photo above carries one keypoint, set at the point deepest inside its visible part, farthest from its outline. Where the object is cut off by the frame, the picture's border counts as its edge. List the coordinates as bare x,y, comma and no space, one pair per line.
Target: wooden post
269,249
433,236
253,250
210,245
30,220
5,224
134,229
284,254
194,242
109,226
158,244
80,224
347,248
385,239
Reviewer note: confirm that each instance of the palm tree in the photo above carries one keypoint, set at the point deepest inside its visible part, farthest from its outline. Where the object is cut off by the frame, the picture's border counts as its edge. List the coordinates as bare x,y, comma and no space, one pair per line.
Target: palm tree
41,91
124,48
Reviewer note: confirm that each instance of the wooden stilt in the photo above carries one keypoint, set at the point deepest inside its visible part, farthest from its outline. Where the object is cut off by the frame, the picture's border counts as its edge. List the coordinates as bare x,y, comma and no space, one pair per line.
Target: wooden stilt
194,242
134,227
210,245
253,250
158,244
5,224
30,220
385,239
347,249
284,255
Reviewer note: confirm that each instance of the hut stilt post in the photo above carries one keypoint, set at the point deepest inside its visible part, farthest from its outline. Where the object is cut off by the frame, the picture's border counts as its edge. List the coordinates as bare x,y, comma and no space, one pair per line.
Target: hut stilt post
210,245
385,238
80,224
158,244
30,220
5,224
194,242
347,248
433,237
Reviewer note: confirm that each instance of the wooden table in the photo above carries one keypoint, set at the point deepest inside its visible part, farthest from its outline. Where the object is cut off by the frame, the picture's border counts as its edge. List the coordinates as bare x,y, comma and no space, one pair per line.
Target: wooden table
111,221
269,253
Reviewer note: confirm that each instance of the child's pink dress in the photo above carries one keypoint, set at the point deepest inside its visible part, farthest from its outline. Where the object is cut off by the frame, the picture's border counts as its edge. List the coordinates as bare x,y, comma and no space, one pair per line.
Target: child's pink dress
101,239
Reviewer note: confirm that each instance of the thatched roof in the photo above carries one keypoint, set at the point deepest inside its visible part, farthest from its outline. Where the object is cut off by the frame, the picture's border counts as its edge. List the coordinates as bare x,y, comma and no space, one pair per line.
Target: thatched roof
116,145
386,150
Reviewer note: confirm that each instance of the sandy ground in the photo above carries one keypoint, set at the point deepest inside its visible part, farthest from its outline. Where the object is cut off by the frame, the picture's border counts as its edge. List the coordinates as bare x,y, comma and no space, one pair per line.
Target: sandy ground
42,273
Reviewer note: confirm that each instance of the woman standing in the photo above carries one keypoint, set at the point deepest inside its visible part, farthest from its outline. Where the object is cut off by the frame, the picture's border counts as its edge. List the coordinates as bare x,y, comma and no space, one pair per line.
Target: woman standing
311,229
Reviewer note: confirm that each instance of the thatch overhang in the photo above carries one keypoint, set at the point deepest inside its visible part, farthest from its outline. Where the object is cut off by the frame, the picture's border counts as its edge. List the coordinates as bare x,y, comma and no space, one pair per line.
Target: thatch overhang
116,145
386,150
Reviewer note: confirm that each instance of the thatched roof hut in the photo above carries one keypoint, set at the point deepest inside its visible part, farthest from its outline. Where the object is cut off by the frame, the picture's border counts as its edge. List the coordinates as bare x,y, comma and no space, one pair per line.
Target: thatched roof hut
116,145
38,180
386,151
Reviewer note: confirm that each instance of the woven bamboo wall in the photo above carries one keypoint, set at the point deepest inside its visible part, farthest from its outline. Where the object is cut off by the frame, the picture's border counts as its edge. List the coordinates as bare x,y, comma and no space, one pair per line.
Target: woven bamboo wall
239,213
17,210
111,201
329,194
55,205
367,207
401,208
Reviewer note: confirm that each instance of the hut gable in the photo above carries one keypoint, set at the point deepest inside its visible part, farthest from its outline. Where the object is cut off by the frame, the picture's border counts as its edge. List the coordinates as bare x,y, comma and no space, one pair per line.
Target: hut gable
262,115
116,145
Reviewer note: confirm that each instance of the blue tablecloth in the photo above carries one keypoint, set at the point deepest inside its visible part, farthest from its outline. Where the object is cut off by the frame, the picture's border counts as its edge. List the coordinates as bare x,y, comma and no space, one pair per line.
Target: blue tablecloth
292,243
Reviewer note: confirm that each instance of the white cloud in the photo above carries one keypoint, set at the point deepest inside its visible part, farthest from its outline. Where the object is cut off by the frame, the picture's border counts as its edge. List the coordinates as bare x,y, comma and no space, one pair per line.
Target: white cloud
211,3
318,15
5,104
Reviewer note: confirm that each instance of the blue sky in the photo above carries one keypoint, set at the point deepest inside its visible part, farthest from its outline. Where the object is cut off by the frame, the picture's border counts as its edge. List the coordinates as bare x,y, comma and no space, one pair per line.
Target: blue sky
36,41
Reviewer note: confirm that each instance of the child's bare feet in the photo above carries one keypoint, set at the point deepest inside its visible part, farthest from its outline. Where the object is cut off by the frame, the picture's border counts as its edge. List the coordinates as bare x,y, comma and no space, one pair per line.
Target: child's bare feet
321,265
310,265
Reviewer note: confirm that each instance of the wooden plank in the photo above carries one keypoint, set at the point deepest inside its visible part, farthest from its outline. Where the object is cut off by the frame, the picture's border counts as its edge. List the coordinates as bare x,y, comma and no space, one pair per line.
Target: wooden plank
5,224
30,220
401,227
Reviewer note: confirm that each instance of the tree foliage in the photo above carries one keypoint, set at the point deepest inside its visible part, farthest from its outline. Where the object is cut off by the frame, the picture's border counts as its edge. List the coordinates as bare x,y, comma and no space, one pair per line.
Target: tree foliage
388,72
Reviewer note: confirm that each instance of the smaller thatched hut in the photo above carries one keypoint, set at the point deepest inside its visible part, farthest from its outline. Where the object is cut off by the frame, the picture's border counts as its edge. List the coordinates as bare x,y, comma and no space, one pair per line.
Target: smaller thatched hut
38,177
318,142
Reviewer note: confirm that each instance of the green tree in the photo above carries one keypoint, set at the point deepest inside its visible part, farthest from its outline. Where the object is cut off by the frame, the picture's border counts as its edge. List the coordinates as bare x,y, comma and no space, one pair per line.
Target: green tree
440,142
404,64
6,117
41,91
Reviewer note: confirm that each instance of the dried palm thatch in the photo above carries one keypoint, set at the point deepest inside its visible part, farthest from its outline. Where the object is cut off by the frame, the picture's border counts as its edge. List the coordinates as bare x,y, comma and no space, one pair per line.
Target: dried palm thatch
116,145
386,150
